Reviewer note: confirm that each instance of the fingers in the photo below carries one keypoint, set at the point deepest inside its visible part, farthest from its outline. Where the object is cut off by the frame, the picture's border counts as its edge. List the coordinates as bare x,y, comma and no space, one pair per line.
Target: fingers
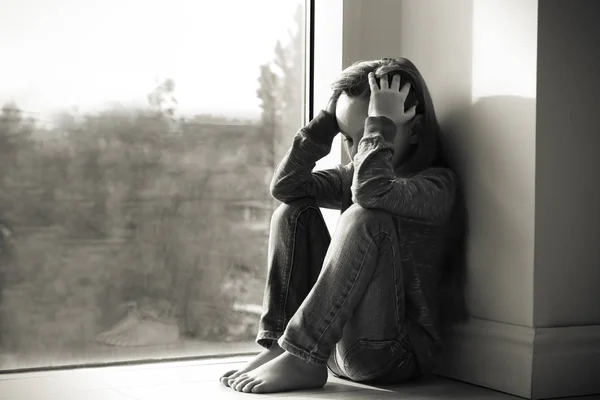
332,102
373,82
405,89
395,85
384,82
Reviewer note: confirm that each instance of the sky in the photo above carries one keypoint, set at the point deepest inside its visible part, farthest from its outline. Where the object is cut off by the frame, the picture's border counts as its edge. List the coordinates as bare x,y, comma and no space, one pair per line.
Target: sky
57,54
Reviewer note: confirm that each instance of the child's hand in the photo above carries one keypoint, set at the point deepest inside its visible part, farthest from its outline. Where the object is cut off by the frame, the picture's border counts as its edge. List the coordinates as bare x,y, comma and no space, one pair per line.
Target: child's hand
331,104
388,101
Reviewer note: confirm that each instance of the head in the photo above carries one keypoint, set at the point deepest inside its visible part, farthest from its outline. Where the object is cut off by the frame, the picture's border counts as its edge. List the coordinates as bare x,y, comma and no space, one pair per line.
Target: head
417,144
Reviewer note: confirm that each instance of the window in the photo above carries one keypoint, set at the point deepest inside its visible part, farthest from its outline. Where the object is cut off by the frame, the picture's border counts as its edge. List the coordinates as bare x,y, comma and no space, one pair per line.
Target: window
138,140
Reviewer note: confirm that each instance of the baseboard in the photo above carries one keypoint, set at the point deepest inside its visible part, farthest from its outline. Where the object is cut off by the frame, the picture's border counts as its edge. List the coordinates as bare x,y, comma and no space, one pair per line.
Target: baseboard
566,362
492,354
532,363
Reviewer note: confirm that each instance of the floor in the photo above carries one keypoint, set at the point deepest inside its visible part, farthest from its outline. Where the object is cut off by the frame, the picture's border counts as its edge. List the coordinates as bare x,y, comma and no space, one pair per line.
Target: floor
198,379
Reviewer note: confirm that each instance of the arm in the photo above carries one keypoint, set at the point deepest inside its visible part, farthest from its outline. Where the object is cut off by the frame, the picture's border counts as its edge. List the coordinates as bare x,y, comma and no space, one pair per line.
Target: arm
427,196
294,178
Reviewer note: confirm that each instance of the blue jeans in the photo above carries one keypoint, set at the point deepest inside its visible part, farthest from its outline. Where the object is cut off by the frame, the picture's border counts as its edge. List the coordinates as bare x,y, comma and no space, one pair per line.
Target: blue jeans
338,301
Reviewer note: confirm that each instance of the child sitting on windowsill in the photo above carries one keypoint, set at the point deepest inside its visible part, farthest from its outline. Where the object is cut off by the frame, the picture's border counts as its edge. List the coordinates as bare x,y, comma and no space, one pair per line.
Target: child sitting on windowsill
364,303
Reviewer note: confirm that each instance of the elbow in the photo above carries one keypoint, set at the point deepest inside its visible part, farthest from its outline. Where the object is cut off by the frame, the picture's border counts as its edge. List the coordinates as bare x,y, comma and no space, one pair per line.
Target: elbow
280,193
276,193
280,197
275,187
367,195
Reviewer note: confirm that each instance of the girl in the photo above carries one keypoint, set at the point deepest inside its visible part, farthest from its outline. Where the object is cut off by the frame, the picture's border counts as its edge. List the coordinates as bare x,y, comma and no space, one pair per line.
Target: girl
365,303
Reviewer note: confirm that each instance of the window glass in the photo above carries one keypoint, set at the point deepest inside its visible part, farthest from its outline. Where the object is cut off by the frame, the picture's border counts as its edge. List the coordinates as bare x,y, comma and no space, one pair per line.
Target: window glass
137,142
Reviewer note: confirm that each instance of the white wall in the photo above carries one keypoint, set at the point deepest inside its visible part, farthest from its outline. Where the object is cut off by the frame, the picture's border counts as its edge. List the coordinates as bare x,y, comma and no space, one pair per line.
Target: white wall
478,58
498,132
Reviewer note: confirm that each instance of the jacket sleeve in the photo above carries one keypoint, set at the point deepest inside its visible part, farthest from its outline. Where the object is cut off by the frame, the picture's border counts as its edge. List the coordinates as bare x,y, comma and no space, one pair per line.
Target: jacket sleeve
427,196
294,177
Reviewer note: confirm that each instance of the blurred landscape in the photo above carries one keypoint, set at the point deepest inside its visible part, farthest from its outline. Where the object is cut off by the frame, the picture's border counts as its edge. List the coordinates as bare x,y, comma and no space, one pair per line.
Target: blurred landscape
140,212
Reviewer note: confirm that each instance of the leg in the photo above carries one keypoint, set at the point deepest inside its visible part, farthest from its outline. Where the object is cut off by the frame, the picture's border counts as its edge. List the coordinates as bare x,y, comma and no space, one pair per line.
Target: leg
375,347
352,261
298,243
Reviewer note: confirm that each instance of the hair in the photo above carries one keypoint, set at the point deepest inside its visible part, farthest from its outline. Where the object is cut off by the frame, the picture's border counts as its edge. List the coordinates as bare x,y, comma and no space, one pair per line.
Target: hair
354,82
427,152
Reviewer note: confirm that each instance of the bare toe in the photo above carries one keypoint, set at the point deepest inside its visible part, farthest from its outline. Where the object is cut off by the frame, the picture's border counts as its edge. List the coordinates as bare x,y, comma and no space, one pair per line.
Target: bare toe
240,382
247,388
226,376
232,378
259,388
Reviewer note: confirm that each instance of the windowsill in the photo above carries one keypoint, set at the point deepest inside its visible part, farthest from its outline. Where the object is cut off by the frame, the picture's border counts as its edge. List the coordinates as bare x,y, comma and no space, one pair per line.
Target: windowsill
102,356
199,379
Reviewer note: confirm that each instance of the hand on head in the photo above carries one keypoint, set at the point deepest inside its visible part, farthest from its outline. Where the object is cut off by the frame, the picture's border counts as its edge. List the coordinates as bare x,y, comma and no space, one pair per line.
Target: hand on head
387,99
332,102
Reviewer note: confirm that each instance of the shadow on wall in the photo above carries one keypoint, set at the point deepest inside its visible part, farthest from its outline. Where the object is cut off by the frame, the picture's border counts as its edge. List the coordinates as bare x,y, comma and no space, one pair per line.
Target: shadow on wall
491,146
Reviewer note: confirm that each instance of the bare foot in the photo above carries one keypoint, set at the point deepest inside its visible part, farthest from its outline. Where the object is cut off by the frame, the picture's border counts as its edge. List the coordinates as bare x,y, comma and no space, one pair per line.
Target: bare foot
266,356
284,373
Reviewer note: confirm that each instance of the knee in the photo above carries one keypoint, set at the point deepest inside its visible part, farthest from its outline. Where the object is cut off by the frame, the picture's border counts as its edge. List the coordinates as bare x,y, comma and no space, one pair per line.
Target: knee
359,215
293,209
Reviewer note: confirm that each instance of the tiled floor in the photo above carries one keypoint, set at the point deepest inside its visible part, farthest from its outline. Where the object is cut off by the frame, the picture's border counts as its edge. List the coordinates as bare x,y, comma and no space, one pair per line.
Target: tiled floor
199,380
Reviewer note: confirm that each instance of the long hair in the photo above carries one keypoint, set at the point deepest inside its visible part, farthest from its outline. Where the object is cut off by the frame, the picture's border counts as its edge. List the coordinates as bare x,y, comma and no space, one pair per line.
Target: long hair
354,82
427,152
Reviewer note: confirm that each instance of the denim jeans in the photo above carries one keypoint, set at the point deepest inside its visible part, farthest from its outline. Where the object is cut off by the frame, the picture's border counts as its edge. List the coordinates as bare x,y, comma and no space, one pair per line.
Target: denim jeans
338,301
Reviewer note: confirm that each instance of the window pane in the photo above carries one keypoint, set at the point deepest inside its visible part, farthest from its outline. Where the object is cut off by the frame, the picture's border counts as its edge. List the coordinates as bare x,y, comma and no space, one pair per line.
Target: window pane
137,141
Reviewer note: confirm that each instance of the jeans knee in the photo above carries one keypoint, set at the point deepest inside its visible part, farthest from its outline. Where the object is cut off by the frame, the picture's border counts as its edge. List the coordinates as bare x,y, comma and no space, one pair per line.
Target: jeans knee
291,210
356,214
